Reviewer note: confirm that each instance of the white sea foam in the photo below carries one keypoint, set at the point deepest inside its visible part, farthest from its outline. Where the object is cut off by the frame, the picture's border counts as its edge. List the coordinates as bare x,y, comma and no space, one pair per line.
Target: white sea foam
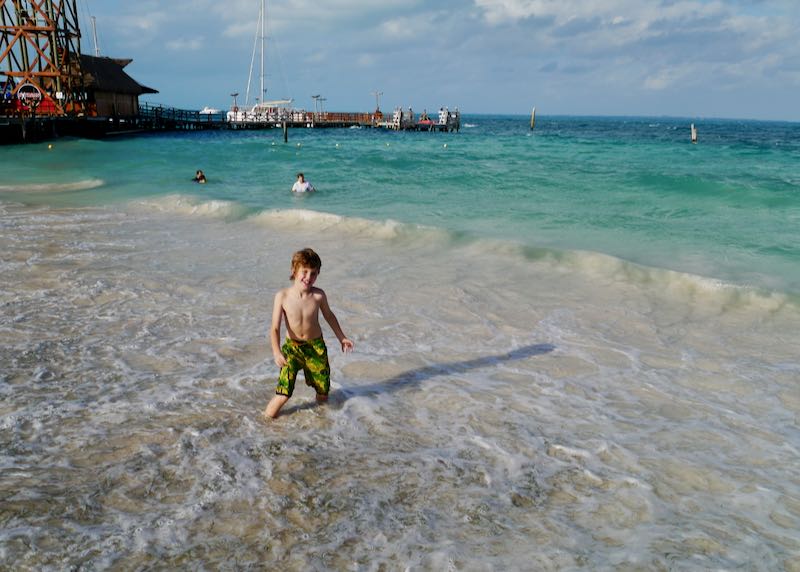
686,287
388,230
82,185
187,205
698,291
541,407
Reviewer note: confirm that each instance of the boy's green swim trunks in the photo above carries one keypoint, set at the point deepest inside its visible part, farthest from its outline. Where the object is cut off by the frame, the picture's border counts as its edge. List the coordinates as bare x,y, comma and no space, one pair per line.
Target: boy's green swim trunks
310,356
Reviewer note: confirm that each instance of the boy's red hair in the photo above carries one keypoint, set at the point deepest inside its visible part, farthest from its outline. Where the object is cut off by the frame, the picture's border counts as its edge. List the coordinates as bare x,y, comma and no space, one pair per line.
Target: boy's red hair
305,258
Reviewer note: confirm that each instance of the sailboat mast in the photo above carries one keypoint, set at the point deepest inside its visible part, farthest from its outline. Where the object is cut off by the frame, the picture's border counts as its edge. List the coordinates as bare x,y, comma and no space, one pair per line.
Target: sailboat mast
259,32
263,19
94,35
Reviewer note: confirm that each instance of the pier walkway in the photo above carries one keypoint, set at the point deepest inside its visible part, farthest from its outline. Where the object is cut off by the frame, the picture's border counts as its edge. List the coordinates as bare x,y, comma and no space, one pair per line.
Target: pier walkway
156,117
18,127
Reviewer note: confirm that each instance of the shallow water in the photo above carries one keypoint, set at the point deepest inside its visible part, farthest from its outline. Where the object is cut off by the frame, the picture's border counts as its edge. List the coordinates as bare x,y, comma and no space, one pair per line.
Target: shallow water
505,408
575,350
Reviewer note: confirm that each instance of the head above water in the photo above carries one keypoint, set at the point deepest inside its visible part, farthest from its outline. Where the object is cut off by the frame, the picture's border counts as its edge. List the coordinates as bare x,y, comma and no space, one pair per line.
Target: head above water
301,177
305,258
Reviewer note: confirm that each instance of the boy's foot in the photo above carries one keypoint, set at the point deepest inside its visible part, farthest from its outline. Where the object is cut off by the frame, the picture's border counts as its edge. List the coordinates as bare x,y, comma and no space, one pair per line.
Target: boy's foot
274,406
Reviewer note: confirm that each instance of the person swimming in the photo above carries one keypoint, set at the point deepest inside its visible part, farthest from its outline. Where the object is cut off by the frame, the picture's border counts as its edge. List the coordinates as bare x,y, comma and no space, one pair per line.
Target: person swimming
302,186
199,177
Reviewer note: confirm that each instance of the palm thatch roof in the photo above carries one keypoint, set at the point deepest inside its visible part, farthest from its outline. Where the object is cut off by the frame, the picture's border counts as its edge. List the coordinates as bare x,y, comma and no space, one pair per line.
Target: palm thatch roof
106,74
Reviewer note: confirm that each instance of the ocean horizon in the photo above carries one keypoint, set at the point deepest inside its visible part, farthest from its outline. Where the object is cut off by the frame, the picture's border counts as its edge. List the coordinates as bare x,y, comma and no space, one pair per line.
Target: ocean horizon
575,348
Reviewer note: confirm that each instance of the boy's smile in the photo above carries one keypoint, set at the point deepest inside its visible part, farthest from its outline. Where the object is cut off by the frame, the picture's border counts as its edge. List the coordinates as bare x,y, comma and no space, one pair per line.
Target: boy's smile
305,277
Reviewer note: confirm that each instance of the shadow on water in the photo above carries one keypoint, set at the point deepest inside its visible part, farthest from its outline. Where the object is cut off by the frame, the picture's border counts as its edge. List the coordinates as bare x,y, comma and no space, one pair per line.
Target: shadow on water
413,378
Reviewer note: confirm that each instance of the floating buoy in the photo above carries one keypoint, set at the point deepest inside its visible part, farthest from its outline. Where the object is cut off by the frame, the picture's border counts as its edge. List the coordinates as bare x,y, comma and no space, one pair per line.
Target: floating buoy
298,144
445,145
337,144
49,145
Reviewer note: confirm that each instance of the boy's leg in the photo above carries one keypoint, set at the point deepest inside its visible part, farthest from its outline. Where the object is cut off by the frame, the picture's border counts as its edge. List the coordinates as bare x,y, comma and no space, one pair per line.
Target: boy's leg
275,404
286,381
317,369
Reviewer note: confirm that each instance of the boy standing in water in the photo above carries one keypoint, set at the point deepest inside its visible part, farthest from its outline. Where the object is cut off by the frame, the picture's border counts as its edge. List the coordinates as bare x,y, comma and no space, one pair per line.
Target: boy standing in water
299,306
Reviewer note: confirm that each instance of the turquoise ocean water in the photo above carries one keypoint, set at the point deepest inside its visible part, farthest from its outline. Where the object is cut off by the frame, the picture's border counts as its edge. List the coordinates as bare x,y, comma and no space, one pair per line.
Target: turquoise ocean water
575,349
633,188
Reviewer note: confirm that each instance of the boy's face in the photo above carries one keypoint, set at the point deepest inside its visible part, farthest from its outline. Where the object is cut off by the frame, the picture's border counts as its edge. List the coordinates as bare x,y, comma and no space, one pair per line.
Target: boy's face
305,276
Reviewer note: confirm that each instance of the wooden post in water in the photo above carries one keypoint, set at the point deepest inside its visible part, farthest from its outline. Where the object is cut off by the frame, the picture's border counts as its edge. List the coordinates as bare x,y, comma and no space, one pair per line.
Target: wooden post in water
285,131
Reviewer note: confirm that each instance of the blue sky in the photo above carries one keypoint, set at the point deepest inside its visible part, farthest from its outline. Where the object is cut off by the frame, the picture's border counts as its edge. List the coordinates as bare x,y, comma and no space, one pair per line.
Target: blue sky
687,58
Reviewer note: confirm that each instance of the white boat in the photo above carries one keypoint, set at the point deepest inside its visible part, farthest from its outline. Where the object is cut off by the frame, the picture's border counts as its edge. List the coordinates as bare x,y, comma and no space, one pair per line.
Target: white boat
694,134
273,111
209,111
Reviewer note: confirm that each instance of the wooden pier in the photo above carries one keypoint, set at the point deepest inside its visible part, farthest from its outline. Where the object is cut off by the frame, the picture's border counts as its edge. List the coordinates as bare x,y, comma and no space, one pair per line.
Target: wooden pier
401,120
18,127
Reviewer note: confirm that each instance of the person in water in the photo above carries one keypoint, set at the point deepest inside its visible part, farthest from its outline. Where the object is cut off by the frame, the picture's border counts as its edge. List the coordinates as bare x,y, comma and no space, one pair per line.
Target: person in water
199,177
299,306
302,186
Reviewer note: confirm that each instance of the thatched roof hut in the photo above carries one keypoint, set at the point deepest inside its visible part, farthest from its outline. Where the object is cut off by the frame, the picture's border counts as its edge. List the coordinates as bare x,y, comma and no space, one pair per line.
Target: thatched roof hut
109,89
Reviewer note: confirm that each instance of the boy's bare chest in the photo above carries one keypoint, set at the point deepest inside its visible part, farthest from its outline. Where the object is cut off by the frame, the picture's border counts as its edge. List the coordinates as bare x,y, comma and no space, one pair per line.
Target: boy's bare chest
301,309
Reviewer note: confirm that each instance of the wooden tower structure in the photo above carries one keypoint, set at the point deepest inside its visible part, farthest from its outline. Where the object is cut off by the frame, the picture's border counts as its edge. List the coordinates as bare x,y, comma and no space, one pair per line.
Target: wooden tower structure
40,64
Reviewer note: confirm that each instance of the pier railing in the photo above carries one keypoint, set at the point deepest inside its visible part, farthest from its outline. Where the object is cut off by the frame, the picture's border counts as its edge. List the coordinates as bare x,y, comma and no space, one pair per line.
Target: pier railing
165,117
341,118
276,117
156,116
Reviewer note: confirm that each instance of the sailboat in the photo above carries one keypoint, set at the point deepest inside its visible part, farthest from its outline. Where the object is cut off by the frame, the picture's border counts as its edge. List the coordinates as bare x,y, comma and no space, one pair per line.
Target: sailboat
694,134
266,112
533,117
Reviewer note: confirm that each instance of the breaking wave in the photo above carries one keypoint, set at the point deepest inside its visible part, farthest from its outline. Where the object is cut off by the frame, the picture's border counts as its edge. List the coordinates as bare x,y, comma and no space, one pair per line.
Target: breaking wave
82,185
596,267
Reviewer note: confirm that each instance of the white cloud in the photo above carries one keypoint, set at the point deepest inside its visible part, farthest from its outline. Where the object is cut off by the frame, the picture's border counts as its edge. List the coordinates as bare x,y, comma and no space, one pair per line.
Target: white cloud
366,60
399,28
667,35
663,78
316,57
184,44
421,25
135,24
304,16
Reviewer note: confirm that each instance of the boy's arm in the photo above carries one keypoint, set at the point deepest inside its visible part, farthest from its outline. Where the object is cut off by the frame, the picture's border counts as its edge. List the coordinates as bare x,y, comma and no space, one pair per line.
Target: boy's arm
347,345
275,330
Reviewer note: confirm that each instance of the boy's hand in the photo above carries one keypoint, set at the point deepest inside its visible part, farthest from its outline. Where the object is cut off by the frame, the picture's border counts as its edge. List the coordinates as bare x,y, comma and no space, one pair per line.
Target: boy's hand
280,360
347,345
